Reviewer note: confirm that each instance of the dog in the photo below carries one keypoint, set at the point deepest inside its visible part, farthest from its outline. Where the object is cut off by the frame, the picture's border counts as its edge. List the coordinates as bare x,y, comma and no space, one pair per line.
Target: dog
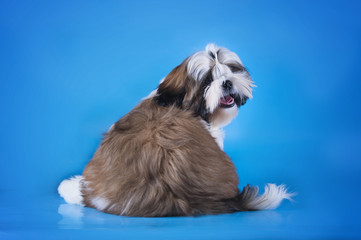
165,157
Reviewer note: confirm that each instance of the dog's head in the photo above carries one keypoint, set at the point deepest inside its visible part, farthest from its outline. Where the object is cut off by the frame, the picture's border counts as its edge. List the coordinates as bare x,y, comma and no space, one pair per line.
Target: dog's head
211,83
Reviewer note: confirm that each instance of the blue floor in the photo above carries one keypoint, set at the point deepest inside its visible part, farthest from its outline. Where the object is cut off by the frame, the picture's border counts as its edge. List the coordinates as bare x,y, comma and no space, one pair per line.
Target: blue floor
49,217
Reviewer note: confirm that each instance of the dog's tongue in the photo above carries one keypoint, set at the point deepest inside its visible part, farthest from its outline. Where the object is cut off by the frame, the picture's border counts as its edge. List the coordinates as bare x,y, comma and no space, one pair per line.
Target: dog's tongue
227,100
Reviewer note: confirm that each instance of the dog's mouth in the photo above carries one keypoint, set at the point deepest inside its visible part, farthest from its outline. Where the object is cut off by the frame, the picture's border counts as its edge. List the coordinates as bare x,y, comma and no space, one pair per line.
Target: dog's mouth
227,102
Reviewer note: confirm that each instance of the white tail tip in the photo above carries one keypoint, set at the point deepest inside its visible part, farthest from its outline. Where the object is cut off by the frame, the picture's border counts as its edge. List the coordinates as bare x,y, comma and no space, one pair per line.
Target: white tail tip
69,189
270,199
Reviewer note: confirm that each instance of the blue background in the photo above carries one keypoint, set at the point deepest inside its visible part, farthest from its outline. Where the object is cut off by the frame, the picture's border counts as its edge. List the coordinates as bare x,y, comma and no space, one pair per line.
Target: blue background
70,69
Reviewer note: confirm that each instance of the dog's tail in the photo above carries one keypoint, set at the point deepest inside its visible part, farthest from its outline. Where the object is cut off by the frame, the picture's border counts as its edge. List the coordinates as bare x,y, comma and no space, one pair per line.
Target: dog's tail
249,199
70,190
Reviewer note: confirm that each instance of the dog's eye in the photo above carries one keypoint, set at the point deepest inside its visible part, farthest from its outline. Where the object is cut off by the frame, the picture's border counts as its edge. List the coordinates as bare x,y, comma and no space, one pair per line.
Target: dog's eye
236,68
208,80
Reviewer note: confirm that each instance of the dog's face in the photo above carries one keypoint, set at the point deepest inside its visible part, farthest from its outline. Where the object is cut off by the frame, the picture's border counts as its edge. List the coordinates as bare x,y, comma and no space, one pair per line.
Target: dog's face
211,83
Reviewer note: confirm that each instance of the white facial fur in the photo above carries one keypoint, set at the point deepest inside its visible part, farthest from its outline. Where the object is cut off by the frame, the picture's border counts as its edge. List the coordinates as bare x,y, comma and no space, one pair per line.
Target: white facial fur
214,59
223,116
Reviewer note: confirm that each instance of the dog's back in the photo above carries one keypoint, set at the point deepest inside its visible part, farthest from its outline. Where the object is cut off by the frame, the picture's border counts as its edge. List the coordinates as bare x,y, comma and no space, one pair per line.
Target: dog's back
157,161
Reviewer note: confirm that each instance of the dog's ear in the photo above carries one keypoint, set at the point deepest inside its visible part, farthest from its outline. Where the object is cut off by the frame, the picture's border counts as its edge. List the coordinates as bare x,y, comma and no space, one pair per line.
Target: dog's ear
176,89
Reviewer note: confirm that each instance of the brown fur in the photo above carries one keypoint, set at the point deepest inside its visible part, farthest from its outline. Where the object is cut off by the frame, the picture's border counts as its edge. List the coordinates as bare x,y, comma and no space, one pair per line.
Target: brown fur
160,160
164,161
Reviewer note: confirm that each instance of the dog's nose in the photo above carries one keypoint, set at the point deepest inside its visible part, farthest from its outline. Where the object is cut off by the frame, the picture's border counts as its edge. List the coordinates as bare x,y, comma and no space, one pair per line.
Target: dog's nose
227,85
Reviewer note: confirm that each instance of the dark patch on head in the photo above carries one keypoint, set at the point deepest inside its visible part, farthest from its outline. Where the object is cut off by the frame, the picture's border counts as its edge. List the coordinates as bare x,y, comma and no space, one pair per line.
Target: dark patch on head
198,102
212,55
167,97
207,81
201,110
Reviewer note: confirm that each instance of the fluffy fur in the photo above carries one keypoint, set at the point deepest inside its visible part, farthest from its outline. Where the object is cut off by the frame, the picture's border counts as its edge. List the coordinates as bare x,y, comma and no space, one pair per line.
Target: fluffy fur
70,190
165,158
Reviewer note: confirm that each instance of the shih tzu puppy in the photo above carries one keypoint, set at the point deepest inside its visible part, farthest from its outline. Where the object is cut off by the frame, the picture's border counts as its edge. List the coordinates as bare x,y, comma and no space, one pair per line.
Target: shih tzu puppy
165,157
